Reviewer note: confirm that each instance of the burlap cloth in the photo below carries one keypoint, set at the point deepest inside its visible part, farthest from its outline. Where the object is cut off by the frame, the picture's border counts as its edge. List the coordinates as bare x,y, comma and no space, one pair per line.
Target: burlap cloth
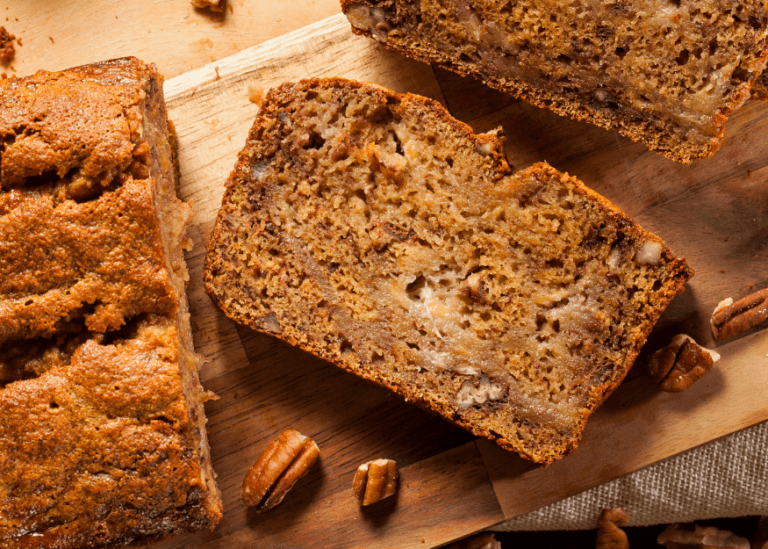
725,478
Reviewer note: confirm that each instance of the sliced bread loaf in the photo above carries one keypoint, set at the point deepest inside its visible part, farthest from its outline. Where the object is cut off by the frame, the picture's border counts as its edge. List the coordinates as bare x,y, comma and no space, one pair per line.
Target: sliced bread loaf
375,231
664,73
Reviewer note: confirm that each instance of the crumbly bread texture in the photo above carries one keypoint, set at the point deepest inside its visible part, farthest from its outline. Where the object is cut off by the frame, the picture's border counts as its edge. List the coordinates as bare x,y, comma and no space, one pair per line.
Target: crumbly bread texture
760,88
665,73
375,231
102,438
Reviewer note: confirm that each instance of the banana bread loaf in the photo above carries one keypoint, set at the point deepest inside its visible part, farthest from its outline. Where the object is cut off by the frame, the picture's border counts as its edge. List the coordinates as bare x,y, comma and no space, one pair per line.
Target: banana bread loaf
375,231
102,438
664,73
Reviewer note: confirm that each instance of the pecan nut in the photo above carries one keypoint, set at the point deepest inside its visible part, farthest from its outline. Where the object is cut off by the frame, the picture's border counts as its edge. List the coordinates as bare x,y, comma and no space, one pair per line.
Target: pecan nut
609,535
375,481
694,536
284,462
729,318
474,287
678,365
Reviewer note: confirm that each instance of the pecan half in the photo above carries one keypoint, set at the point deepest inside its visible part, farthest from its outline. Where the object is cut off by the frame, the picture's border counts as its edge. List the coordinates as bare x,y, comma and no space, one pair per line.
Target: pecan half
375,481
729,318
693,536
609,535
284,462
678,365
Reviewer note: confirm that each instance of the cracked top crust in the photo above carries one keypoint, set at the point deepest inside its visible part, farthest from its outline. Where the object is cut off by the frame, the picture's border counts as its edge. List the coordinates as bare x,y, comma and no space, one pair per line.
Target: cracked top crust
78,232
102,426
85,119
125,397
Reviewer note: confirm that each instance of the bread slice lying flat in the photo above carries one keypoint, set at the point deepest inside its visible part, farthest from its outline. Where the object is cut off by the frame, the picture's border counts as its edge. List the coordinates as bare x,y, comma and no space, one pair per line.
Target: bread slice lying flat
375,231
665,73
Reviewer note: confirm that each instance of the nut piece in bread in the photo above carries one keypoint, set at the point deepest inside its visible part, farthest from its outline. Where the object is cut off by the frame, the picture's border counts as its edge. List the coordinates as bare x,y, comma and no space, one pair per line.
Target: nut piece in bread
377,232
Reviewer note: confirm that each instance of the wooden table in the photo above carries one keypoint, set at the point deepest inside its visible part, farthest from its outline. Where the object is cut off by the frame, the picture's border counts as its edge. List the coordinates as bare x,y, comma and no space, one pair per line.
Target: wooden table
715,213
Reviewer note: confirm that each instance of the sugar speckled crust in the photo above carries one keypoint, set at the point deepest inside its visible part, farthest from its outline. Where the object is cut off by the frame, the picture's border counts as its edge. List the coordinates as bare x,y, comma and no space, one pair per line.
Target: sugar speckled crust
401,26
102,440
281,263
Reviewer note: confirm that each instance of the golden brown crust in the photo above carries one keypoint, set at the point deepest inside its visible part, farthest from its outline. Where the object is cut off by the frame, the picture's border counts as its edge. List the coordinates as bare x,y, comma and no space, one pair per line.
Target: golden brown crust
100,443
97,451
337,254
402,26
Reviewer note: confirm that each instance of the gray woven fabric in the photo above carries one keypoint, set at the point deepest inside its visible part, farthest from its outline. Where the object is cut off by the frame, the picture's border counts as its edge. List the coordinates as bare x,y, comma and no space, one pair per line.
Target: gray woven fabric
725,478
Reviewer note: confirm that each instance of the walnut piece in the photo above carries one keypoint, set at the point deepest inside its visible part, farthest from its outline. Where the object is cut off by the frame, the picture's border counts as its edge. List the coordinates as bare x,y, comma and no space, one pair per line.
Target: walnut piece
213,5
486,540
284,462
678,365
729,318
375,481
609,535
366,18
693,536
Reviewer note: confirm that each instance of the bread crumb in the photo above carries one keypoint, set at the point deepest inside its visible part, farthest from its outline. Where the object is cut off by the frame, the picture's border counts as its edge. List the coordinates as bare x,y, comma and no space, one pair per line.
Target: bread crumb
256,95
206,43
51,39
218,76
213,5
7,51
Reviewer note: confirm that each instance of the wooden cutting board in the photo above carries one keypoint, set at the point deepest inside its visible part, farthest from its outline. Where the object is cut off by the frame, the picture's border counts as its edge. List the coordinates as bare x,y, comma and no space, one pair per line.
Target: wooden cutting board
714,213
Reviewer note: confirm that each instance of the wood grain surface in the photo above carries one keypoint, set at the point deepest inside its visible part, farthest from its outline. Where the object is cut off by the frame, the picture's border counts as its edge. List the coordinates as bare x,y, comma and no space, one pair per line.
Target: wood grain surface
715,213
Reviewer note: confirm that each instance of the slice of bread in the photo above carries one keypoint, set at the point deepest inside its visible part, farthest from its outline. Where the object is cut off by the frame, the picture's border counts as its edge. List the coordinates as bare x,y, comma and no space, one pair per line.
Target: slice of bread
664,73
375,231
